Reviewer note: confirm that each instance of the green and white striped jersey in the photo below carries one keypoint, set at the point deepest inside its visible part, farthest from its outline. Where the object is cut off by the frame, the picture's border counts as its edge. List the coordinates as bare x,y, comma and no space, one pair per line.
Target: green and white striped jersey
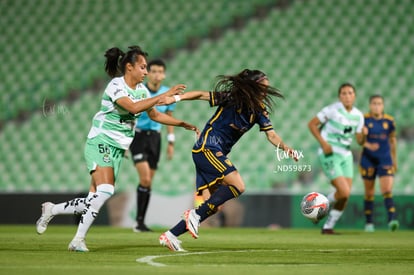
339,126
112,123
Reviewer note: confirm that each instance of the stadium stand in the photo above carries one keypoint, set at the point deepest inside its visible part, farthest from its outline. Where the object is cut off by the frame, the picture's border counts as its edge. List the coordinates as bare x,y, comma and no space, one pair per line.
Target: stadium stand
52,48
308,49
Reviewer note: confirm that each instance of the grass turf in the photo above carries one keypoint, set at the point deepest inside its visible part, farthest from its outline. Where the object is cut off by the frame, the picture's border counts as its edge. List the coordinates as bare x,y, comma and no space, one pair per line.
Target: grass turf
217,251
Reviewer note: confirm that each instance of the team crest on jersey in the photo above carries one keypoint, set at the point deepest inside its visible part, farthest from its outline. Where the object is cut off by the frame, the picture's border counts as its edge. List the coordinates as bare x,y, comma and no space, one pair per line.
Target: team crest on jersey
370,125
106,158
385,125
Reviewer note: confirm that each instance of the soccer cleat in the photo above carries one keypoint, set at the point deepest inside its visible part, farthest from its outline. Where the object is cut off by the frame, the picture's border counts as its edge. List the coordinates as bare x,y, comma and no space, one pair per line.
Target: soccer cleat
326,231
141,228
172,242
369,227
45,218
393,225
192,222
78,245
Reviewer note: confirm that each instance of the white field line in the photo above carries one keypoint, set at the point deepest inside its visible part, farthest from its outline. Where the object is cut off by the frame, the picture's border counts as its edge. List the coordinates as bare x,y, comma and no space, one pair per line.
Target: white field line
150,260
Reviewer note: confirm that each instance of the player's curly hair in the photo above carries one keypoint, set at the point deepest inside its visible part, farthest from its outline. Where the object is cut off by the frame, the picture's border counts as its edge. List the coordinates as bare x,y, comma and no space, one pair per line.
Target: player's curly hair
116,59
246,91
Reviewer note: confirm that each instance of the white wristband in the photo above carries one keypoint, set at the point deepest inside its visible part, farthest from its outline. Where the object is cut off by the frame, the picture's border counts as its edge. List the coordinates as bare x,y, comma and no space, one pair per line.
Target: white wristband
177,98
171,138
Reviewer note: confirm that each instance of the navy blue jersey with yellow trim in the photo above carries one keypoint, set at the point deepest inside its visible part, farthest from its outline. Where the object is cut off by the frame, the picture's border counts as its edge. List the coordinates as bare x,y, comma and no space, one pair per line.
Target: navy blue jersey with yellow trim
379,131
228,124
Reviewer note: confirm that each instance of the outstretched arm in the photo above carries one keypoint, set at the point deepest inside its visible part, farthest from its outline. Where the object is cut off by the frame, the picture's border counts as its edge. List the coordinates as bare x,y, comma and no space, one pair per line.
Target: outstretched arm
276,140
192,95
143,105
136,107
195,95
169,120
171,139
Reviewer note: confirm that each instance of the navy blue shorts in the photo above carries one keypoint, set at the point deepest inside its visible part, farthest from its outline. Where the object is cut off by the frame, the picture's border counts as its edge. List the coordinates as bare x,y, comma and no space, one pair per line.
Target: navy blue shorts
370,167
211,167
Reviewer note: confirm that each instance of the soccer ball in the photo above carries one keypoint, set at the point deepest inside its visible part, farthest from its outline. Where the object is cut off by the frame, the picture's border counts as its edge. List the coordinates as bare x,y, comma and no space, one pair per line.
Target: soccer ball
314,206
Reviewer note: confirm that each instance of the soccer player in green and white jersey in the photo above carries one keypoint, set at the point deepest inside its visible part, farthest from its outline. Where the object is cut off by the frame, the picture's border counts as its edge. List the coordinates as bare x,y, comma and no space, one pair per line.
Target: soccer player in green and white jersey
112,131
334,127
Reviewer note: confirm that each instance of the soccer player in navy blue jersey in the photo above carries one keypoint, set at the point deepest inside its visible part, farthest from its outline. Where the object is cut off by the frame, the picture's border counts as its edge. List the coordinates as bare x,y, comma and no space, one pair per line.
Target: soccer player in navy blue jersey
379,158
242,101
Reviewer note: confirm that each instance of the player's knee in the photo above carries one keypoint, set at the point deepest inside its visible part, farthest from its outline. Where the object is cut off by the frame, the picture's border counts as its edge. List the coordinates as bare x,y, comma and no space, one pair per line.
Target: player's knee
145,182
369,193
342,195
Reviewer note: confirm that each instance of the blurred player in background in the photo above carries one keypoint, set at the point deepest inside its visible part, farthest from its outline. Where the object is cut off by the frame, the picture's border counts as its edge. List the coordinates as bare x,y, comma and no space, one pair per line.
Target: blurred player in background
241,100
146,146
334,127
379,158
112,131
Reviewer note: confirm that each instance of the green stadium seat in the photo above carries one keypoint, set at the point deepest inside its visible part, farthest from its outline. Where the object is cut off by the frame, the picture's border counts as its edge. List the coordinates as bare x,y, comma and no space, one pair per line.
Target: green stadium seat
307,64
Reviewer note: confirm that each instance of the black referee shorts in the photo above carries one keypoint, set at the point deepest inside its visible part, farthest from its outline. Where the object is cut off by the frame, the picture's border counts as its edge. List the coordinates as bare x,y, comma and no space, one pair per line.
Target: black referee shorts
146,146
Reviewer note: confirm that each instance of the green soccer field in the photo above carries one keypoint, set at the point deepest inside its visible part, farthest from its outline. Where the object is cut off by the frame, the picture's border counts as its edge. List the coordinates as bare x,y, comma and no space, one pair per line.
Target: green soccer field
217,251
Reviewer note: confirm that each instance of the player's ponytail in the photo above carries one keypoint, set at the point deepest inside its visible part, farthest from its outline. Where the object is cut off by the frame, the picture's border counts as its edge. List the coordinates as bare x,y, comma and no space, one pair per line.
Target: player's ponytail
112,61
116,59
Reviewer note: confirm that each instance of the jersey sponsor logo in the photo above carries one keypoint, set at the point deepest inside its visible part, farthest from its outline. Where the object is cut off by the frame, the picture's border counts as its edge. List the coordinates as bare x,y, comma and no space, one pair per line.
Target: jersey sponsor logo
241,130
347,129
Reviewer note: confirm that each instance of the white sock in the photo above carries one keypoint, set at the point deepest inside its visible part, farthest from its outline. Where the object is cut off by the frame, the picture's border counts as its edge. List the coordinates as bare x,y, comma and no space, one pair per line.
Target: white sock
333,217
93,205
331,198
72,207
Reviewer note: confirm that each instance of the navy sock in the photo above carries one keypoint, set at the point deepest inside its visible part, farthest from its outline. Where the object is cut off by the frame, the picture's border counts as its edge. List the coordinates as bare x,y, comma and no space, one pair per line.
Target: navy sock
209,207
389,205
369,209
179,228
220,196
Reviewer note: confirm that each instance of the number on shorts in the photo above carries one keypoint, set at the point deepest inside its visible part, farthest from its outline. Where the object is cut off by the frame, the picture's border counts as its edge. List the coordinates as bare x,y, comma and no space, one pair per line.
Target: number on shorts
103,148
